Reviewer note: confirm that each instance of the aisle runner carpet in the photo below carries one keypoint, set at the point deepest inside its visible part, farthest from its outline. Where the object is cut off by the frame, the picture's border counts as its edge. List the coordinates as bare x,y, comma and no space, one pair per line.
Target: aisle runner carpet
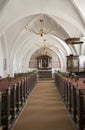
44,110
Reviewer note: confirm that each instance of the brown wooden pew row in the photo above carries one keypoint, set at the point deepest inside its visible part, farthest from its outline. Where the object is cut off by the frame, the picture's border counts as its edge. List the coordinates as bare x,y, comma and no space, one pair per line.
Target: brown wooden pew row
13,98
73,99
0,109
70,96
5,109
60,83
14,101
30,83
76,103
64,87
13,108
73,102
23,89
80,108
18,100
8,107
21,94
65,92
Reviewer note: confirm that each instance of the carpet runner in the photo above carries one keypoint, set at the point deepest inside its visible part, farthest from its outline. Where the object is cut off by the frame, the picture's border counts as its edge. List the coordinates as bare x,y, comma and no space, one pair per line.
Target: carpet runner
44,110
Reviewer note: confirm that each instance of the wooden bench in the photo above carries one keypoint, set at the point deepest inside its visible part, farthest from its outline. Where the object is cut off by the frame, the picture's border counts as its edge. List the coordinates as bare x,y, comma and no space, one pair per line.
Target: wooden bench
74,98
81,108
73,102
13,108
13,98
65,97
0,109
5,109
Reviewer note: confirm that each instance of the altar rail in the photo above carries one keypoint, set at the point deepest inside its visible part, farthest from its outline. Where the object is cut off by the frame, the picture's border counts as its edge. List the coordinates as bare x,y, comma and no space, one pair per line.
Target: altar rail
73,95
13,98
45,73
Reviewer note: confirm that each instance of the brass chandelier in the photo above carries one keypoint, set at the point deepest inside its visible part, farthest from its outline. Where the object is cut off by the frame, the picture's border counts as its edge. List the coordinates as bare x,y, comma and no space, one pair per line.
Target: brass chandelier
44,45
39,31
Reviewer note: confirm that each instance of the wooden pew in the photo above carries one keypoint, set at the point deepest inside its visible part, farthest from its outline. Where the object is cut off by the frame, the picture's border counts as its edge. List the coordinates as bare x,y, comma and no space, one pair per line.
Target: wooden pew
22,92
24,89
13,108
69,97
30,84
5,109
65,94
74,98
13,98
27,86
0,109
73,102
18,100
80,108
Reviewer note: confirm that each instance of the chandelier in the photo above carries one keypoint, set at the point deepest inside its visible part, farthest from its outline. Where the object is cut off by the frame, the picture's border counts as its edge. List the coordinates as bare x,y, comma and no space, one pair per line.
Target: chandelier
44,45
39,31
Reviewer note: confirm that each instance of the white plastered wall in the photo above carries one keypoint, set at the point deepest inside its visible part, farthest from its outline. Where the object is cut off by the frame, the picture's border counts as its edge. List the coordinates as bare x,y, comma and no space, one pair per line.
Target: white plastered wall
16,46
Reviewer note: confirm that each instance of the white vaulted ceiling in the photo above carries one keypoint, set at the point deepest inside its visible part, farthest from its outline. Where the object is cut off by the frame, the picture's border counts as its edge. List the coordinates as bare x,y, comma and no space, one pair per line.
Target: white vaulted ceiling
66,18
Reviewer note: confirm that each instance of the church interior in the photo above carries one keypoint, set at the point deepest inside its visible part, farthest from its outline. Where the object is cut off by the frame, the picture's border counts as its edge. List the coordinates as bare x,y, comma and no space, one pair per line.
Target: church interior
42,64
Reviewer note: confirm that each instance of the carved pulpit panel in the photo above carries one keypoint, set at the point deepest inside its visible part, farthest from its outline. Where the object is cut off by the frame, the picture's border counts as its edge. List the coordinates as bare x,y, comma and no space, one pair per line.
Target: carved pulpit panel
73,63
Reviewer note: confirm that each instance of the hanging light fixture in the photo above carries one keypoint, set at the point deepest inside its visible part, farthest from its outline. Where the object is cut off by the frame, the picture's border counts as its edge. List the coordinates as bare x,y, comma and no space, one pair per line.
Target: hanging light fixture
44,45
41,31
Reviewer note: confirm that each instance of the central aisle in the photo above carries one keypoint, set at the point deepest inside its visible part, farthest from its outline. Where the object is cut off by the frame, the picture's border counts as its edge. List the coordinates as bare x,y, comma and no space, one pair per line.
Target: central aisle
44,110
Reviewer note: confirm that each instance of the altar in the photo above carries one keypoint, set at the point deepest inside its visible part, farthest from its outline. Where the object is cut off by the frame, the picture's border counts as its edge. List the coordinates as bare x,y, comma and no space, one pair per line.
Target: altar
45,73
44,64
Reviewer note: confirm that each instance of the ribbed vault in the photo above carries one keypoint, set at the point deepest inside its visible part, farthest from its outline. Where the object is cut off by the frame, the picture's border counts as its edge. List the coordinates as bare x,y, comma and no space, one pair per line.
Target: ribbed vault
66,19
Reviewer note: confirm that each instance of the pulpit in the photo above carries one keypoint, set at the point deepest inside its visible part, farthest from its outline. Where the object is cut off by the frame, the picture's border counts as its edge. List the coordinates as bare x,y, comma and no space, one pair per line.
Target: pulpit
73,63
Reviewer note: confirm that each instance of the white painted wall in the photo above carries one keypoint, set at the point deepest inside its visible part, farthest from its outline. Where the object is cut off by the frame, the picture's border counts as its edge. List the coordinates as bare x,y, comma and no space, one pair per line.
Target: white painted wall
17,44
